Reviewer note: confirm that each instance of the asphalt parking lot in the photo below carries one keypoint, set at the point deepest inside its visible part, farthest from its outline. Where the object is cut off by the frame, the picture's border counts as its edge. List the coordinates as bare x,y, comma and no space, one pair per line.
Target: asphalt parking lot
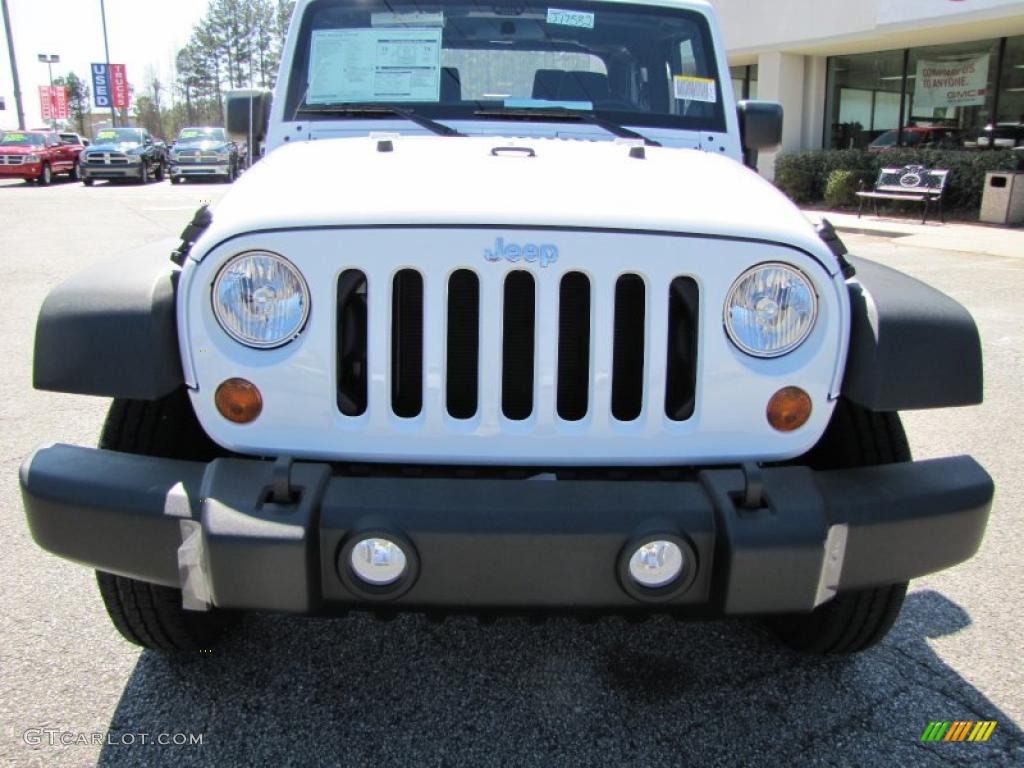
354,691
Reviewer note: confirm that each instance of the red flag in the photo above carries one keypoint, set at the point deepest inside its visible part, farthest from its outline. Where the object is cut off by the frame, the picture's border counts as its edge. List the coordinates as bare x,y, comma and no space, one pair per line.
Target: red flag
119,86
46,102
60,102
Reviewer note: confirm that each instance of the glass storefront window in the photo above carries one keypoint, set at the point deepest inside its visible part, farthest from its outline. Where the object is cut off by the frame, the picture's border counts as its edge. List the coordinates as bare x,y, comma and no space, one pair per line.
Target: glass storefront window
864,93
951,95
952,87
744,81
1009,128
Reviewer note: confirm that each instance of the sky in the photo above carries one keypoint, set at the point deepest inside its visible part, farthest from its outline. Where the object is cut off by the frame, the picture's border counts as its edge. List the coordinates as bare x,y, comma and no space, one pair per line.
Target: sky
143,34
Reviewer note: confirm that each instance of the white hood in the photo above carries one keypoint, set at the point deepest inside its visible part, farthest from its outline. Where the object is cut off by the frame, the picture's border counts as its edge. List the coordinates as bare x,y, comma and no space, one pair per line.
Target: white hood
428,180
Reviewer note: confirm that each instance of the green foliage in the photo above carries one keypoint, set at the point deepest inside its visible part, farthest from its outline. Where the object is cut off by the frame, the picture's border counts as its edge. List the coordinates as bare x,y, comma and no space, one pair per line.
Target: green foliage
796,181
841,188
806,175
78,98
237,44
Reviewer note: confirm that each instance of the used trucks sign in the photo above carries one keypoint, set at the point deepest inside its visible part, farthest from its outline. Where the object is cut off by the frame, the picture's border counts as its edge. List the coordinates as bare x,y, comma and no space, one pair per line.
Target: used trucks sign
960,83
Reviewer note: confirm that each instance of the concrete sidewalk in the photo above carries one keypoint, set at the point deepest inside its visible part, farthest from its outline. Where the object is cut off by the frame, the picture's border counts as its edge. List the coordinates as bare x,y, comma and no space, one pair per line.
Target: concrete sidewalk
954,236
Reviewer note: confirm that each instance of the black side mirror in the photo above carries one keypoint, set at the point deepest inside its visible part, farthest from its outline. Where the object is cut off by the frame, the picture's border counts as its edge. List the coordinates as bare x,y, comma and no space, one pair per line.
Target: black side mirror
760,126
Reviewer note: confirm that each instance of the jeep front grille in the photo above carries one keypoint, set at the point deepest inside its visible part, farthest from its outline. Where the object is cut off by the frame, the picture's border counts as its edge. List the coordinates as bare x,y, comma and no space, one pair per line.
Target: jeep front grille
521,307
12,160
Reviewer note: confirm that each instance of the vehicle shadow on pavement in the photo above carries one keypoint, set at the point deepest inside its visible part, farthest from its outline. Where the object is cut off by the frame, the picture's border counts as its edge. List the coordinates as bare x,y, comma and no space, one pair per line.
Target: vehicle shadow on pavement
356,691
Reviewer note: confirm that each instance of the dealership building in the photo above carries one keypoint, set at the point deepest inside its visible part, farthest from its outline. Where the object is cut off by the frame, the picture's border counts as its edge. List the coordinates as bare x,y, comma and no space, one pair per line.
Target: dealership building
849,72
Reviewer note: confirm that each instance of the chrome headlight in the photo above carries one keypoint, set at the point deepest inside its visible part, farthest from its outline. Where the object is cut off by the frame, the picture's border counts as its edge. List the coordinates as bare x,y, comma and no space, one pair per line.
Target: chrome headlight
260,299
32,158
770,310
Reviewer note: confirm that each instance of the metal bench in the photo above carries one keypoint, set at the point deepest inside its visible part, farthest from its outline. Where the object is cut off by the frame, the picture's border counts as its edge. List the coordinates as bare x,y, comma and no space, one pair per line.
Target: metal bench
913,182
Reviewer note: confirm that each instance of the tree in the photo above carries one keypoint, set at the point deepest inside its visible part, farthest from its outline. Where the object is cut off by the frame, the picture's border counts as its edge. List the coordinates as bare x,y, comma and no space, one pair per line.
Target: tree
78,98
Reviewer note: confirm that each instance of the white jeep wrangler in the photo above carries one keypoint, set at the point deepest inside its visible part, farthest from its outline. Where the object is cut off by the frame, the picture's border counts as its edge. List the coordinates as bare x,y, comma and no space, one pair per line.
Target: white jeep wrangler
503,323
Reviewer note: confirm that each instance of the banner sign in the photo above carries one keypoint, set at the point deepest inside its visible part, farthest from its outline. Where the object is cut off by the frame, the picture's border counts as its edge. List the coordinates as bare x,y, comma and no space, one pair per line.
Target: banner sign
119,86
110,88
960,83
53,102
100,86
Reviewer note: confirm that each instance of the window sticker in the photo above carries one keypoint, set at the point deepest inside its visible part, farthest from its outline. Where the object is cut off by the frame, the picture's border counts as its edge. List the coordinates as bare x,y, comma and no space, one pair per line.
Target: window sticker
103,135
366,65
695,89
410,19
191,133
580,19
15,137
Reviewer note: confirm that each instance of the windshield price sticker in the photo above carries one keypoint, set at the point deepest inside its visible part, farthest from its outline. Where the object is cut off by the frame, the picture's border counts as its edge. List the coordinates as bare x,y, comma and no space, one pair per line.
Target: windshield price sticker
580,19
695,89
385,64
106,135
411,19
15,137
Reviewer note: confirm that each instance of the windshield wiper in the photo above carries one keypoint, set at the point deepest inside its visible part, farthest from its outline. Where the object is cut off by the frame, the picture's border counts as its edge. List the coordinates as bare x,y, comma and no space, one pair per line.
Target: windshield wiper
563,113
377,110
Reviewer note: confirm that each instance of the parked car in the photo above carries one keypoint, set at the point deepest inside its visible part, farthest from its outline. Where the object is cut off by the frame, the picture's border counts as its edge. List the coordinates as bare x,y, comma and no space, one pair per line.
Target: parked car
1003,136
204,153
918,137
37,156
123,153
498,368
73,138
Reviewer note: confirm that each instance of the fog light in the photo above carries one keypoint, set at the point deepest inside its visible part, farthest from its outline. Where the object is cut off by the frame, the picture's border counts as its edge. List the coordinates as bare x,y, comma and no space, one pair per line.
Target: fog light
789,409
239,401
378,562
656,564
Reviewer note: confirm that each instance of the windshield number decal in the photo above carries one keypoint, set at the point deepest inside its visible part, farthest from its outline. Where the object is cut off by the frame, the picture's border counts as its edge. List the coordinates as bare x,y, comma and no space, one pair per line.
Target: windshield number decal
565,18
695,89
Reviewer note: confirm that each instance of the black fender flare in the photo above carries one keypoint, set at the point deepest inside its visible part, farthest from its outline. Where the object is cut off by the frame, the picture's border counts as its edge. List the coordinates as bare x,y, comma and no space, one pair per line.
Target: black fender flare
911,346
112,329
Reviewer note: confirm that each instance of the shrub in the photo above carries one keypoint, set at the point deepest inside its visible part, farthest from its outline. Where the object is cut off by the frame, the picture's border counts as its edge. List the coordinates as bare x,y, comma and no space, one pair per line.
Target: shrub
841,188
804,175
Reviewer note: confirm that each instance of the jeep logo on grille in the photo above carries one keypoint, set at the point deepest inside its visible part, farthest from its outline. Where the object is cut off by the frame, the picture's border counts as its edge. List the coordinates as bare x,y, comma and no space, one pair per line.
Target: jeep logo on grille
543,253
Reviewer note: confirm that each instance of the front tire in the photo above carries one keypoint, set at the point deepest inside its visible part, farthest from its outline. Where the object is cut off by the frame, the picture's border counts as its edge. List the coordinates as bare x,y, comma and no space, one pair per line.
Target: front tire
76,172
160,172
856,620
45,176
151,615
144,174
88,182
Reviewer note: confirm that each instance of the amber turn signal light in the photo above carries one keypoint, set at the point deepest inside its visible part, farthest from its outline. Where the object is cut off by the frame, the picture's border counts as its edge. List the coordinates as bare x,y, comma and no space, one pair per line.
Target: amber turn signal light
239,401
789,409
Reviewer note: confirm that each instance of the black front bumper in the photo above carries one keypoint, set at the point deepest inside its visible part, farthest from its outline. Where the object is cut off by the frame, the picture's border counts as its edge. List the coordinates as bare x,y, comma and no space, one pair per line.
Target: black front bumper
493,544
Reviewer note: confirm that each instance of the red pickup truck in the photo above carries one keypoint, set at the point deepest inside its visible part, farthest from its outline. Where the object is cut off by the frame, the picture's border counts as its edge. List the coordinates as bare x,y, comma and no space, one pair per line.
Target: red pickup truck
37,156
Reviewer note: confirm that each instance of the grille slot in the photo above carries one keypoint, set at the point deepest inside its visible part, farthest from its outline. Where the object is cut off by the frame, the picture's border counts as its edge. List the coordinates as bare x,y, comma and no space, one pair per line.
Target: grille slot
407,344
518,346
681,364
463,356
573,346
352,339
628,348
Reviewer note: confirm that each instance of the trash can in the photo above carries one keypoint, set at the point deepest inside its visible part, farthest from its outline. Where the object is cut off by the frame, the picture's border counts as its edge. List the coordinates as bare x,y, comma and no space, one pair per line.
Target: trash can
1002,202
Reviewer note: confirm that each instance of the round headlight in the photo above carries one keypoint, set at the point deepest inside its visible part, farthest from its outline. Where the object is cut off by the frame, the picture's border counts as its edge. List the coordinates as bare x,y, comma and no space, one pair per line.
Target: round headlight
770,310
260,299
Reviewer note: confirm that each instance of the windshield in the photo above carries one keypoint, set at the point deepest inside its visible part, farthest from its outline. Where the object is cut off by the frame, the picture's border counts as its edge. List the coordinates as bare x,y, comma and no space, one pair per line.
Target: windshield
634,65
22,140
197,135
118,136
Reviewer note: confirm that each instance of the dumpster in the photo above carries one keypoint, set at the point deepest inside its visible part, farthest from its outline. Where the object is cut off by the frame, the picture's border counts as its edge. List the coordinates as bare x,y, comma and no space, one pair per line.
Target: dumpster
1002,201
